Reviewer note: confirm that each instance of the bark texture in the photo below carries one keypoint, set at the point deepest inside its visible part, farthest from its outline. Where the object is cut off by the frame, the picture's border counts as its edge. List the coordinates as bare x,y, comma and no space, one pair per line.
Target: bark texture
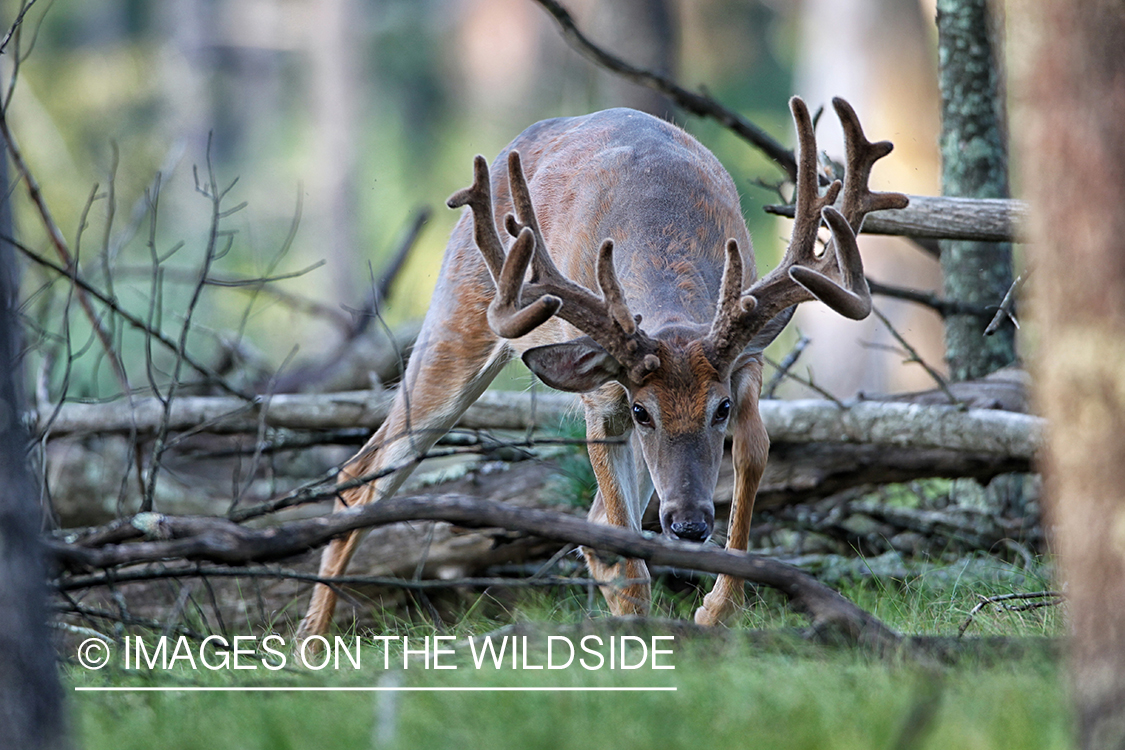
31,714
944,218
974,165
1073,88
904,425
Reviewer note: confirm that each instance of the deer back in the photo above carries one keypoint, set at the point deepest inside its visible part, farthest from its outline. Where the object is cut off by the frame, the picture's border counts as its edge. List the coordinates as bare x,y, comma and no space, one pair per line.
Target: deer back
663,198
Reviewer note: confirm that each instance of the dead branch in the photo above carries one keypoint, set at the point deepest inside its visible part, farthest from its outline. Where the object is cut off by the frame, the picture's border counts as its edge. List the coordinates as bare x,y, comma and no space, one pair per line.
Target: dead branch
946,218
222,541
151,334
782,368
903,425
1046,599
62,249
387,277
799,473
940,305
916,358
697,104
215,236
1006,305
76,583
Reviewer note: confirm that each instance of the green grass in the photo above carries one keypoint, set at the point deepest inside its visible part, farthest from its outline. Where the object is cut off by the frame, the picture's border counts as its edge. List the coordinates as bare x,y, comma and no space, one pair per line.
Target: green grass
730,692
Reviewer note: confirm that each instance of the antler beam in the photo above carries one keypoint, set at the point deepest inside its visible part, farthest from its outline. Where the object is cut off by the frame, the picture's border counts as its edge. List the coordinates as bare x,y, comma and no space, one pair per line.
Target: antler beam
835,277
521,306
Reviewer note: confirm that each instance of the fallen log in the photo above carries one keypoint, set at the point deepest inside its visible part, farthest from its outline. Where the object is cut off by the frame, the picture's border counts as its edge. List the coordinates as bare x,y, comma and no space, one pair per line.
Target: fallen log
222,541
946,218
902,425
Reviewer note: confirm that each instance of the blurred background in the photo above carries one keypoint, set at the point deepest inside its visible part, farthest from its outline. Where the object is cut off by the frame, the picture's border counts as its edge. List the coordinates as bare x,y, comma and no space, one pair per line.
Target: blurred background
353,115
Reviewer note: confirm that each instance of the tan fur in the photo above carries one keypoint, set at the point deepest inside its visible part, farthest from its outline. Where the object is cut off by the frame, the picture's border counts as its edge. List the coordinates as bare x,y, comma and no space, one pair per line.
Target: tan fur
671,210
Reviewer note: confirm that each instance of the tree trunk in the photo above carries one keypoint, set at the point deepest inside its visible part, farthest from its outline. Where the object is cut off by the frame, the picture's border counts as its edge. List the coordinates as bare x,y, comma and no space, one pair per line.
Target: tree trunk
31,713
974,165
1074,156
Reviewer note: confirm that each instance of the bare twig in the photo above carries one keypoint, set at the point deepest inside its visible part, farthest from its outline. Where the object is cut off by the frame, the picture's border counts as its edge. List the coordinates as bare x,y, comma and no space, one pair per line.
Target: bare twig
211,191
286,244
59,242
917,358
808,382
134,321
785,366
381,290
941,306
1006,305
1055,598
15,25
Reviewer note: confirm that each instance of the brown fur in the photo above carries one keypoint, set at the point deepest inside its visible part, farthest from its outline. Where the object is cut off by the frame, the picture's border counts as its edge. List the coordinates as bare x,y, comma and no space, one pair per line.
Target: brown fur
669,206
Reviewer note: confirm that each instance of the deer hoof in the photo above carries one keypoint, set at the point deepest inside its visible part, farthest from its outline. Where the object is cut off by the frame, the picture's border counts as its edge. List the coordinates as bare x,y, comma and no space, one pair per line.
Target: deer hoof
714,612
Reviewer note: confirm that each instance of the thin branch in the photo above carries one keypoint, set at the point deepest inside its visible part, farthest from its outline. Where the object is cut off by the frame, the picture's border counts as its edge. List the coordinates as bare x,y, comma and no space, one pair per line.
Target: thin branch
132,320
390,273
782,369
1006,305
807,382
916,357
697,104
211,253
1055,597
943,307
60,244
222,541
15,25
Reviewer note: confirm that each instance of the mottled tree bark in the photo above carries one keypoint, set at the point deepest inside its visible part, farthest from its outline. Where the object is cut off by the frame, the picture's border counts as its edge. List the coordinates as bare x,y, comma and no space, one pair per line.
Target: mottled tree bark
31,713
974,165
1073,149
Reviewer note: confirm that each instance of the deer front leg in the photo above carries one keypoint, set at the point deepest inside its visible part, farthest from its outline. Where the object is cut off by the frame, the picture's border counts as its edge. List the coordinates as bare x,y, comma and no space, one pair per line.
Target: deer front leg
450,368
624,488
750,450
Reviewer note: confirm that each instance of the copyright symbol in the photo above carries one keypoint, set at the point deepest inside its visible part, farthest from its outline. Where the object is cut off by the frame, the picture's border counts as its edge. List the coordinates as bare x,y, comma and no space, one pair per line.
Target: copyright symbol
93,653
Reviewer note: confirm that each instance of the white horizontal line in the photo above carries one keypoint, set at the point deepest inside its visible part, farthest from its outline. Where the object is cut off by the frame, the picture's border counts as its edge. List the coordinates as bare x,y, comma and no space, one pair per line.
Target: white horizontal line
371,689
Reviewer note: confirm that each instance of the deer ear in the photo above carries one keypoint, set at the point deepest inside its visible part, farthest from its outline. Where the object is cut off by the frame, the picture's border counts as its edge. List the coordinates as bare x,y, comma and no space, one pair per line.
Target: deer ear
770,331
577,366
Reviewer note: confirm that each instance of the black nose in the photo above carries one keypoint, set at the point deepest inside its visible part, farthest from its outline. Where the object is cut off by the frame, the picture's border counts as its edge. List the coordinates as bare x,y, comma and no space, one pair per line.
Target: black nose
691,531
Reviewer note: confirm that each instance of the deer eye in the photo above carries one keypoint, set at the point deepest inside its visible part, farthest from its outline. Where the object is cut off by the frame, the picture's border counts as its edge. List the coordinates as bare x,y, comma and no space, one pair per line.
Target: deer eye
722,412
641,416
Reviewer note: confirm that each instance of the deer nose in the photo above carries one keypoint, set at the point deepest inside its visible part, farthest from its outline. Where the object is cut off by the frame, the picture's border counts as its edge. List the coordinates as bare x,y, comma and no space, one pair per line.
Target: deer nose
691,531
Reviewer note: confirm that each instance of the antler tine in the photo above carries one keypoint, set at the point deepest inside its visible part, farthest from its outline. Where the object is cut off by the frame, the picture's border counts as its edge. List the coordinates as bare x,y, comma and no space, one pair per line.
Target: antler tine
612,292
519,307
802,241
506,315
859,199
541,262
732,305
478,197
848,295
836,276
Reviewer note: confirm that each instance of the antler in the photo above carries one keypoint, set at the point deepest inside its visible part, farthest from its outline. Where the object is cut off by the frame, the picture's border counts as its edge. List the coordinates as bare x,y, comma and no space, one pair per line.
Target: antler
835,277
519,307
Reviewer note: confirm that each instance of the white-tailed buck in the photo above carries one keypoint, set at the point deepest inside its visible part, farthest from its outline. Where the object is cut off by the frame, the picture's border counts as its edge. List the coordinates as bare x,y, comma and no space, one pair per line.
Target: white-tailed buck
667,354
